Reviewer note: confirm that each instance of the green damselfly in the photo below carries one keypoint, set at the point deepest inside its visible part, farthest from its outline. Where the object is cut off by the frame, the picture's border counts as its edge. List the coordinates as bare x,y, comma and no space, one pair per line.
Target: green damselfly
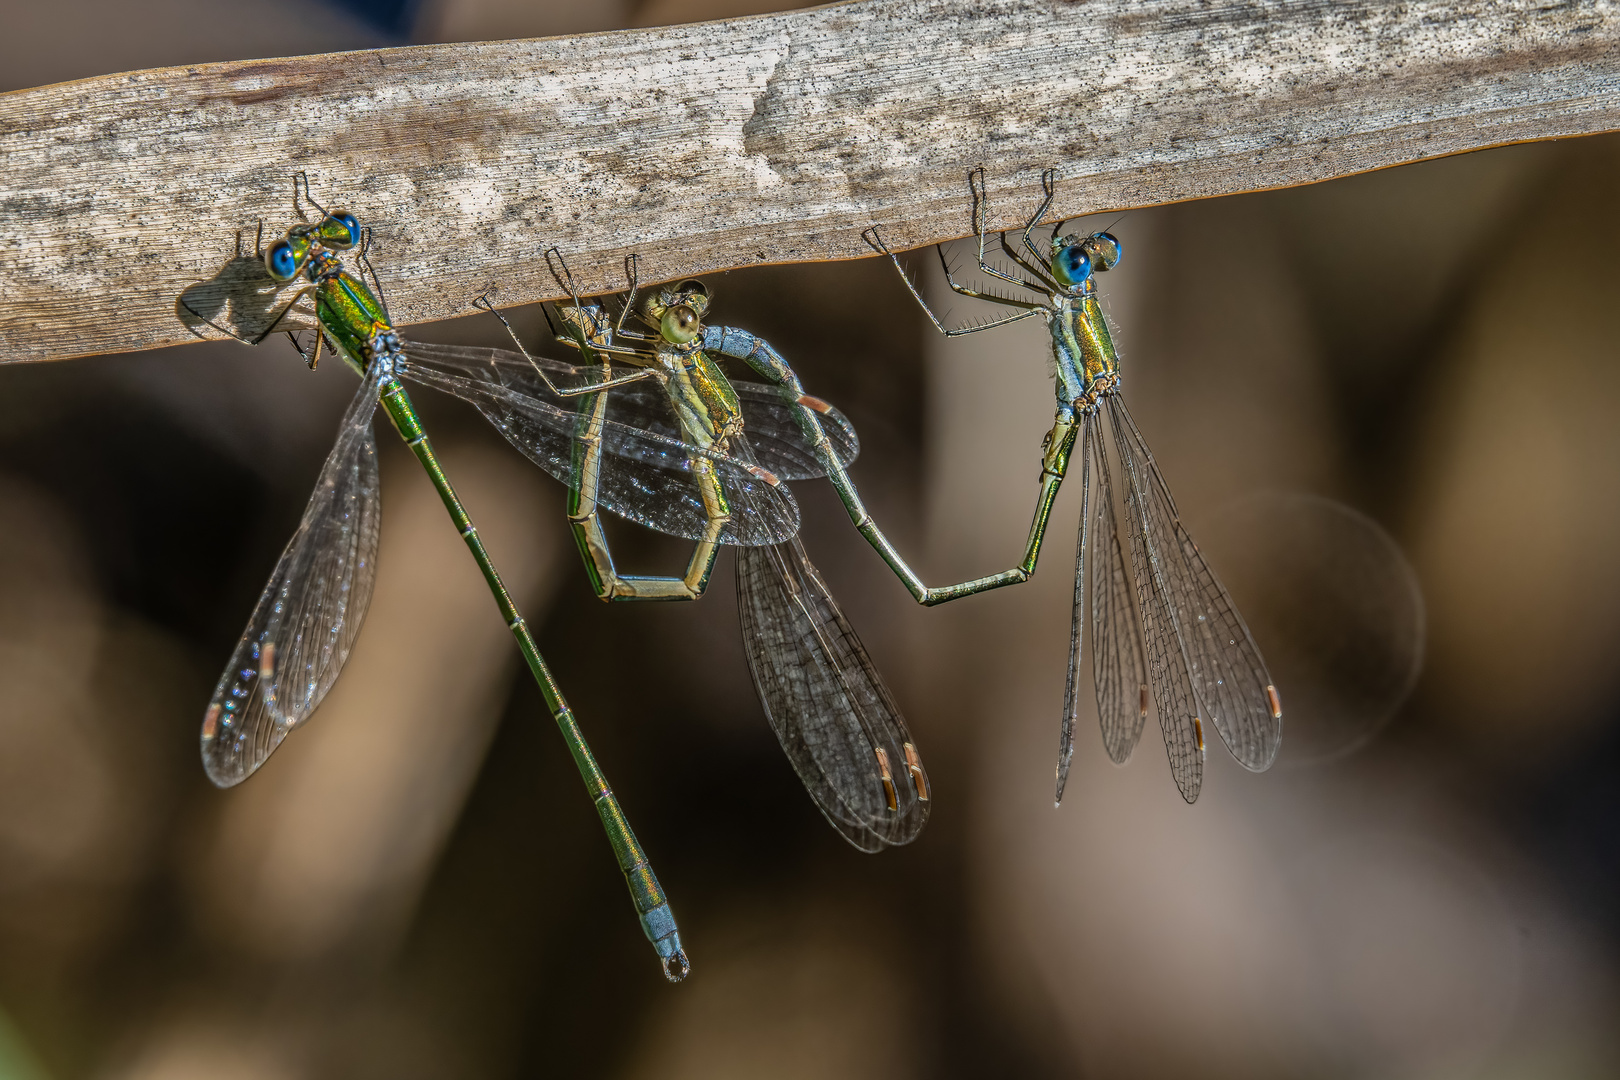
1181,645
728,448
309,615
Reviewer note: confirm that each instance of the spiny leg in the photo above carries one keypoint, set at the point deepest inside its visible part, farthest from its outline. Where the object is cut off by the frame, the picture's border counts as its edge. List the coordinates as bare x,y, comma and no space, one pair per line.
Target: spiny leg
301,179
587,344
994,298
1030,309
632,273
260,338
565,278
1045,279
312,357
1048,185
579,341
981,205
363,257
1042,275
280,315
601,341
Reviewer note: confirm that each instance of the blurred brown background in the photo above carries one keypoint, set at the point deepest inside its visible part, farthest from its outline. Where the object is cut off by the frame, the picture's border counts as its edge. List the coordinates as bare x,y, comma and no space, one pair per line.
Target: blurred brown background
417,887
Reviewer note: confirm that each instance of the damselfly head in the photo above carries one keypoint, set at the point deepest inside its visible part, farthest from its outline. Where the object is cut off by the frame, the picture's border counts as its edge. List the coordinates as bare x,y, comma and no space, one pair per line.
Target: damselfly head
1075,257
694,294
677,311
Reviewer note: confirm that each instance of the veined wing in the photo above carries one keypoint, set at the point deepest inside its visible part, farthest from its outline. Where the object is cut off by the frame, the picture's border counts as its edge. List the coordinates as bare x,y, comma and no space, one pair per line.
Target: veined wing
1118,666
1167,661
1077,621
646,473
778,438
306,621
1224,665
769,414
830,708
776,420
772,416
1118,672
827,703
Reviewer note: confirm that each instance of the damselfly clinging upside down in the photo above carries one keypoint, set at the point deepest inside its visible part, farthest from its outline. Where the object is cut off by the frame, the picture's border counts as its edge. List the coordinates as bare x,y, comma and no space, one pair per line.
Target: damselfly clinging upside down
1165,634
309,615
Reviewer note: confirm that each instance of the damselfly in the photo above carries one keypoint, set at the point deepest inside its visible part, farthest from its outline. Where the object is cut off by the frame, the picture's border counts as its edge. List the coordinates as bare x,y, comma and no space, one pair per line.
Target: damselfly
1182,636
308,618
728,448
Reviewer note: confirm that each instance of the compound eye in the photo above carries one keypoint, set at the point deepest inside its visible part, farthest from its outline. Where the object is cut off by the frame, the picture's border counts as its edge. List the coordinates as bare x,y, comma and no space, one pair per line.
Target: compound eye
340,230
1106,250
679,324
281,261
696,294
1071,265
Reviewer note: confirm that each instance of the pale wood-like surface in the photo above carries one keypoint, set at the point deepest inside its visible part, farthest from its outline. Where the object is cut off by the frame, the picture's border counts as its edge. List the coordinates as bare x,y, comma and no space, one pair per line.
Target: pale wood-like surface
769,139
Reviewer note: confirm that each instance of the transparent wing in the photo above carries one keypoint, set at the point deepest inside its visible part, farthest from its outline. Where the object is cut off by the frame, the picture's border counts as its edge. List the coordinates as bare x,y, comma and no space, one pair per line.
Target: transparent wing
1071,690
1167,663
770,413
1228,677
306,621
779,442
1118,667
646,472
1118,671
827,703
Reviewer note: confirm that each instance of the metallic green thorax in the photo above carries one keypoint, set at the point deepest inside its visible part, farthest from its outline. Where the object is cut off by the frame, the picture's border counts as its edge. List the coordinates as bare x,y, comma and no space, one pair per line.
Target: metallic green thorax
356,324
1083,347
351,315
705,403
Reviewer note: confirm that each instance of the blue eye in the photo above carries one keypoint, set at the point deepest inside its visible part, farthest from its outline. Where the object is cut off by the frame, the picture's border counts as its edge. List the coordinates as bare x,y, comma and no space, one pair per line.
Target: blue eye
352,224
1071,266
281,262
340,230
1106,250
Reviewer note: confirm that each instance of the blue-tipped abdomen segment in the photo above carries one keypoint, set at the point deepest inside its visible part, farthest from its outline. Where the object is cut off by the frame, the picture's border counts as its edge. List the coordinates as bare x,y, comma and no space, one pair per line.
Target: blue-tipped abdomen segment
659,925
657,920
